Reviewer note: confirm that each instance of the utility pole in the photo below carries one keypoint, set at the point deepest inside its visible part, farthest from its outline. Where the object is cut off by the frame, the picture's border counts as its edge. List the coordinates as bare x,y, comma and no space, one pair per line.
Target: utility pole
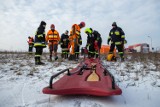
151,42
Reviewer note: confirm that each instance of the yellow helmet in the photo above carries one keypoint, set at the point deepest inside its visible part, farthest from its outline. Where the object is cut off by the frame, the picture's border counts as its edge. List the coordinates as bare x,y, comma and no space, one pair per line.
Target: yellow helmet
111,57
88,30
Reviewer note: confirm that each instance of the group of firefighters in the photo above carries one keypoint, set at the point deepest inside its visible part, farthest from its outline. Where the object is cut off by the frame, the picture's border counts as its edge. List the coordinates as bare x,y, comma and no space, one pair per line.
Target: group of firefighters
70,42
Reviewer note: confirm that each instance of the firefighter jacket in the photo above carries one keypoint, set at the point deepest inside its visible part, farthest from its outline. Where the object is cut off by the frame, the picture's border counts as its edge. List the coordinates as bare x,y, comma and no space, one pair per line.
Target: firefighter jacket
40,36
52,37
94,38
64,41
30,41
117,36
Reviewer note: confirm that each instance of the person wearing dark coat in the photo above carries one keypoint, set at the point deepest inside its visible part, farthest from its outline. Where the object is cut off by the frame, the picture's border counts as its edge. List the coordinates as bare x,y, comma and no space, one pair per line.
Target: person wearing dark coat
117,38
64,42
94,42
39,42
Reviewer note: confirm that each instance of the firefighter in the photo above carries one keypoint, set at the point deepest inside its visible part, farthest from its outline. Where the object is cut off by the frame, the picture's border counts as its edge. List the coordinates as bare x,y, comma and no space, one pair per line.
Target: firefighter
94,42
53,39
64,41
30,44
117,37
75,39
39,43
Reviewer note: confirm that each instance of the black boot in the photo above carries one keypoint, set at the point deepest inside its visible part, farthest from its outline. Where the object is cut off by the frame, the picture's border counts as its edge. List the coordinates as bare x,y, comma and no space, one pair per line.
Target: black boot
77,56
72,57
50,58
62,55
97,55
67,56
122,59
36,60
39,61
56,58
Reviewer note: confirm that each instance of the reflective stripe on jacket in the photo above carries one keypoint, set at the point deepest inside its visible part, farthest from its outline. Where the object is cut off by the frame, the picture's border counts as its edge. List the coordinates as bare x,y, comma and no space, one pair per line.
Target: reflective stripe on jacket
53,36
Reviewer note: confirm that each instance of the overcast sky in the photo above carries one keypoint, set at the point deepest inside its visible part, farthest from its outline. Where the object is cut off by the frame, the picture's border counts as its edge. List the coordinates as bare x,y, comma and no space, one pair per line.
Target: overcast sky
21,18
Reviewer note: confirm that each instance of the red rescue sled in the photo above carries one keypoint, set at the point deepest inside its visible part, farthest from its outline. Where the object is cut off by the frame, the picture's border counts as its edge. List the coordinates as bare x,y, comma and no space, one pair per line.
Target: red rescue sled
88,78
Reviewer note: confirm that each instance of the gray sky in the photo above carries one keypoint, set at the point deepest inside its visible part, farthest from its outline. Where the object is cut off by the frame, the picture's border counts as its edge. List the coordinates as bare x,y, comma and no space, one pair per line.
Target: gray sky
20,19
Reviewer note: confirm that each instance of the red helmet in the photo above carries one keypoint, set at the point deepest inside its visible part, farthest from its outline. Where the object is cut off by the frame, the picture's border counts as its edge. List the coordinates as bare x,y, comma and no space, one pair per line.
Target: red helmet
82,24
52,26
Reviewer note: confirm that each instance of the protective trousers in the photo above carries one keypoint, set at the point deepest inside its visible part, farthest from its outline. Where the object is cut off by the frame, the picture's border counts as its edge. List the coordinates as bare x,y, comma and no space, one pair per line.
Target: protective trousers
65,53
38,54
77,52
53,48
91,51
119,48
73,43
30,50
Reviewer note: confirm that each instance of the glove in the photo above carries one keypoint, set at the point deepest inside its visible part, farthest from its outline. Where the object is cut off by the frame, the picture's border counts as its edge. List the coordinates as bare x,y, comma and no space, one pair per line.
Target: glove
122,42
43,42
87,45
108,41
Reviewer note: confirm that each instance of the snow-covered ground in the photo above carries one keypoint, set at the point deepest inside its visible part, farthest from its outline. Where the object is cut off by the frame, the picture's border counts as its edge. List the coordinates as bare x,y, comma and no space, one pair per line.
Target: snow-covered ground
21,84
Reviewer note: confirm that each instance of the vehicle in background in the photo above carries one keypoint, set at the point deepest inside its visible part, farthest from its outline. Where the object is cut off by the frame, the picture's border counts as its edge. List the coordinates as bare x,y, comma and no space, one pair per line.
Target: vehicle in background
141,47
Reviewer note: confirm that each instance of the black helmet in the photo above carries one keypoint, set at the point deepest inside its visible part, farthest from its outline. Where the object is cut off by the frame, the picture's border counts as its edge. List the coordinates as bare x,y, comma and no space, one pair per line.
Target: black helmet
43,23
114,24
66,31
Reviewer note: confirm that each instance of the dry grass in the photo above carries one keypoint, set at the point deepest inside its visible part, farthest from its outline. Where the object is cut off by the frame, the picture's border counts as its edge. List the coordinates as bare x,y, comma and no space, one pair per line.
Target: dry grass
139,63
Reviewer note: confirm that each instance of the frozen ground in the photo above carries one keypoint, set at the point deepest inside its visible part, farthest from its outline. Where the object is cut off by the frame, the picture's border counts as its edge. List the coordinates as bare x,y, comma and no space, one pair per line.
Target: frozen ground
21,84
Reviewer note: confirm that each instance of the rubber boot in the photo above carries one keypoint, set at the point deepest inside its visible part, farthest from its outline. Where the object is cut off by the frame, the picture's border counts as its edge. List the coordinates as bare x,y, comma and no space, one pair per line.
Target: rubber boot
67,55
56,58
50,58
97,55
62,55
122,58
72,57
89,55
36,60
39,61
77,56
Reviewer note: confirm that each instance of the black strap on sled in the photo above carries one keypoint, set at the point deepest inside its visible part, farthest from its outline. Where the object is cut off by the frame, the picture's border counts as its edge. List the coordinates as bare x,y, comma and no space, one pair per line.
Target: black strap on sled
106,72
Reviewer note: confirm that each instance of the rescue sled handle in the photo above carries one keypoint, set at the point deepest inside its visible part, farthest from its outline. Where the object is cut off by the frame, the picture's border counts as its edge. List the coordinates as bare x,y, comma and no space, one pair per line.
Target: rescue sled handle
68,73
53,76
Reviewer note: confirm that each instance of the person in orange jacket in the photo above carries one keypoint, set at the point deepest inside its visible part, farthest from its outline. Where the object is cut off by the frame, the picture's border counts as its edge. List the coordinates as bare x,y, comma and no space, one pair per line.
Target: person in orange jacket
75,33
53,39
30,44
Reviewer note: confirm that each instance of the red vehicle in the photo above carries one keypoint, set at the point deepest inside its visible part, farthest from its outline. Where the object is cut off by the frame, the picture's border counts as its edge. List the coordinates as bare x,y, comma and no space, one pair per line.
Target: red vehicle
141,47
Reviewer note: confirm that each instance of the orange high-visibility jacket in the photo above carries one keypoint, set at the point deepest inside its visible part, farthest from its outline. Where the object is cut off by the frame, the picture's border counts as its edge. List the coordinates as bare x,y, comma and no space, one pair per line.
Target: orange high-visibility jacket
30,41
74,33
52,37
